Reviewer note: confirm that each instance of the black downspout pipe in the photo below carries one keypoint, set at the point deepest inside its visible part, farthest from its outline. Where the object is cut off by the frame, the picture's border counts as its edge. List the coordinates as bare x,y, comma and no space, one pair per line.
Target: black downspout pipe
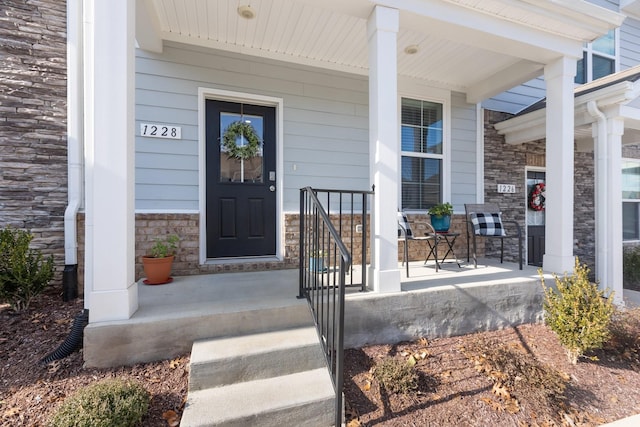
70,282
73,341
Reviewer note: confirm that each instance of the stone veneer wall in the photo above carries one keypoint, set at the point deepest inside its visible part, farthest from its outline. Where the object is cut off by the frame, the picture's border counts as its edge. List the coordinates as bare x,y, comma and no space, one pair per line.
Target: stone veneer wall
499,161
33,146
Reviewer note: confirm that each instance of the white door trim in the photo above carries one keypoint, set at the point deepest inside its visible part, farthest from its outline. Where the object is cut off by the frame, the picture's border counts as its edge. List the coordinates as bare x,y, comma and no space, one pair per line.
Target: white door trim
248,98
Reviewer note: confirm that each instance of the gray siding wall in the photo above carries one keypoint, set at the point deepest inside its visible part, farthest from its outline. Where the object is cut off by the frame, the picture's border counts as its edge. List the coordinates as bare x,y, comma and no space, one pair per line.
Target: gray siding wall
326,136
629,43
325,122
518,98
463,151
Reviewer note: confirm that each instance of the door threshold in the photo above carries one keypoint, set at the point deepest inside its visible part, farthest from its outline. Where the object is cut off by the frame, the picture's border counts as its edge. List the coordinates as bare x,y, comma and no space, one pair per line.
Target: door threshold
242,260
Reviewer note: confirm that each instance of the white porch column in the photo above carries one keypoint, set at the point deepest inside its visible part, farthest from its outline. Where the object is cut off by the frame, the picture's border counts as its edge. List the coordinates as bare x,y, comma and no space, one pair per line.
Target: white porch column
613,278
559,77
109,159
384,147
600,153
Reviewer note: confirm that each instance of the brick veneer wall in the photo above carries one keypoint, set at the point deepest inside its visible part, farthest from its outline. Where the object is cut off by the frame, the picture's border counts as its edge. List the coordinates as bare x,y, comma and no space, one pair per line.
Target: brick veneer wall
417,249
505,163
186,226
33,147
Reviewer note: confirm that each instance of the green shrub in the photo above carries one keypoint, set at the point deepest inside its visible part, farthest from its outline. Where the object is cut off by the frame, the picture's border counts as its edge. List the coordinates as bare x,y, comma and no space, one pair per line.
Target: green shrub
578,312
396,376
24,272
108,403
631,267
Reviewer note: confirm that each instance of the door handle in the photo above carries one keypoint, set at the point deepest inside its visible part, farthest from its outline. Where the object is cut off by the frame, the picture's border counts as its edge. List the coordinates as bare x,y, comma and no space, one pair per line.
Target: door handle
272,188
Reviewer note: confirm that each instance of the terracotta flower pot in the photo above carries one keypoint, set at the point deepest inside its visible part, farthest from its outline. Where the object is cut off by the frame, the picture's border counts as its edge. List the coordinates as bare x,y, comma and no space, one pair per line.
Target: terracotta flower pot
157,270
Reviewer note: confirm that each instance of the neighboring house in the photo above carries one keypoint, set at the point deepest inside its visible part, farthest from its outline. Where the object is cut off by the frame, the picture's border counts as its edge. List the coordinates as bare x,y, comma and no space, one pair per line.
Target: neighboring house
397,94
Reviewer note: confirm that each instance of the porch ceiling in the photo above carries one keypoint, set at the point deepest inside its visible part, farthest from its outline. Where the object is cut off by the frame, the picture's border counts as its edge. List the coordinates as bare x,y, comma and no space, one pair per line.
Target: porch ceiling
479,47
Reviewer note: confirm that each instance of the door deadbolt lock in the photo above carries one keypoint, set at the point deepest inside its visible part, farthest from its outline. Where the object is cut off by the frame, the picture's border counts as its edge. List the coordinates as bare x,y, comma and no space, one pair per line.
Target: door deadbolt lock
272,188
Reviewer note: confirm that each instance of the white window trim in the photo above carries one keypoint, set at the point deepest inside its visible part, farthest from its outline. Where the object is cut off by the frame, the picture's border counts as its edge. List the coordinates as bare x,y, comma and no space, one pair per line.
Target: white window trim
637,201
417,90
590,52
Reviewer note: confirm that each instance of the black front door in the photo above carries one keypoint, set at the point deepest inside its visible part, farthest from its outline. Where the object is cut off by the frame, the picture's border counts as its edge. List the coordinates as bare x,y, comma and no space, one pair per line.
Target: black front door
535,222
240,179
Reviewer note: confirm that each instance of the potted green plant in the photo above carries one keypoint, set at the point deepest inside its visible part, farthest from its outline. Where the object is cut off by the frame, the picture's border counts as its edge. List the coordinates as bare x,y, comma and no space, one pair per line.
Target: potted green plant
441,216
157,264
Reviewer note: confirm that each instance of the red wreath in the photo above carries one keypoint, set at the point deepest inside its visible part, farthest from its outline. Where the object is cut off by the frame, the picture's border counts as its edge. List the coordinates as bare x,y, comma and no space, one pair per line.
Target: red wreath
537,197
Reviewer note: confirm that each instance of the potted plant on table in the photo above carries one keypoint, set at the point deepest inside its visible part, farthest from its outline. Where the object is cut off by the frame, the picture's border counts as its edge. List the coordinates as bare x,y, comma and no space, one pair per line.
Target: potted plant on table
441,216
157,264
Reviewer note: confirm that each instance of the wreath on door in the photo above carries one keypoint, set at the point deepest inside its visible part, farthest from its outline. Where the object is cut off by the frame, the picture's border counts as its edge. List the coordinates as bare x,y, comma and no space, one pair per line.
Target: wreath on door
537,197
230,136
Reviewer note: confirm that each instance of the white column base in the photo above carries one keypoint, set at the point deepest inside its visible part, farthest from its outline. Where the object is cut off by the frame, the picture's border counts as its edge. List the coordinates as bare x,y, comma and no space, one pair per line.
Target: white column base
558,264
113,304
384,281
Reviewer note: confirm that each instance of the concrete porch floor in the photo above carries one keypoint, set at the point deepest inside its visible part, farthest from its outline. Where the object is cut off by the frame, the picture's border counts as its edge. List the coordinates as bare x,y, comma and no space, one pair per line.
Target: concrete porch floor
452,301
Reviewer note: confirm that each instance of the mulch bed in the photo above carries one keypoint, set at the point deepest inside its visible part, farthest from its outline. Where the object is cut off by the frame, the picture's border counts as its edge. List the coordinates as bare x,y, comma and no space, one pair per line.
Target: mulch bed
30,391
452,389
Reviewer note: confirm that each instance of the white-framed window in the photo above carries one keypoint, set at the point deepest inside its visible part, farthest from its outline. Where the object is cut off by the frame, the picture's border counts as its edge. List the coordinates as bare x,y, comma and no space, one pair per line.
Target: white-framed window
599,59
631,199
422,153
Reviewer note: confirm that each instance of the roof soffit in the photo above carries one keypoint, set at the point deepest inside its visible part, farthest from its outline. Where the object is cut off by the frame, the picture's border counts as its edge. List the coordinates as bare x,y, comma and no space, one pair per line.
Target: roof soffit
465,45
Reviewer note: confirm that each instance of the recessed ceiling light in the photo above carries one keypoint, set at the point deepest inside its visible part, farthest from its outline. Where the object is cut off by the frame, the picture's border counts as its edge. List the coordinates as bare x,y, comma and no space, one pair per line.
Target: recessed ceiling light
411,49
246,12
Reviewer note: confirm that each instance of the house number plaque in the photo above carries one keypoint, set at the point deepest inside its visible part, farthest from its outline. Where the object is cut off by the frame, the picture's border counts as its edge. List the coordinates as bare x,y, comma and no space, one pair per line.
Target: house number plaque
506,188
154,130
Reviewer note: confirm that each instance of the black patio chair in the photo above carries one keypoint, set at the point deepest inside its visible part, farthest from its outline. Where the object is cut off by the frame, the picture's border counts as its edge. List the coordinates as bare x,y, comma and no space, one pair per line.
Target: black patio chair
485,220
405,234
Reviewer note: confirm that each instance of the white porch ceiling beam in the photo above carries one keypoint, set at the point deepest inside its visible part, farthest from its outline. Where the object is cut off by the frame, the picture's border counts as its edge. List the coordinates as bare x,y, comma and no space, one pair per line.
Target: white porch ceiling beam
489,32
507,78
147,27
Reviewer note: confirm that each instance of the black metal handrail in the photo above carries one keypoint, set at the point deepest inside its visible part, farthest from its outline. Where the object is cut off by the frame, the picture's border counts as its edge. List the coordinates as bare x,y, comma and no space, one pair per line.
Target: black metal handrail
348,211
325,262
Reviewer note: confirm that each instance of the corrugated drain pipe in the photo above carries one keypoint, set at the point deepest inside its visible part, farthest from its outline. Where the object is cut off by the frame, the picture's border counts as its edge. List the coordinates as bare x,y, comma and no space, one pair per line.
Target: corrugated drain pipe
73,341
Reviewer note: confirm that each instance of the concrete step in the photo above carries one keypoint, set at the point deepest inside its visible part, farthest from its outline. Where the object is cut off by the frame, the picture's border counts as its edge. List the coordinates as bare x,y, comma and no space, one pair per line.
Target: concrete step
299,399
222,361
157,333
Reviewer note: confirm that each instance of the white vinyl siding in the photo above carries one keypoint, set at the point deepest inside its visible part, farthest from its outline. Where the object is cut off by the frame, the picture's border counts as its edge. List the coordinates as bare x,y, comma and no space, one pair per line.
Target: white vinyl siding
518,98
325,122
326,128
629,43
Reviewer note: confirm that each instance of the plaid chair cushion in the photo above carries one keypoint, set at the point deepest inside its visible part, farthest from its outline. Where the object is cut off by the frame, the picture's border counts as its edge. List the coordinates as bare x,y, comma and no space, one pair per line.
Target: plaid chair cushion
403,224
487,224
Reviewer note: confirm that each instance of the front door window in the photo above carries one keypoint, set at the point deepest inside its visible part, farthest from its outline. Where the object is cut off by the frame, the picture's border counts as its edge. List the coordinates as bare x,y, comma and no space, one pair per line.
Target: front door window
241,148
